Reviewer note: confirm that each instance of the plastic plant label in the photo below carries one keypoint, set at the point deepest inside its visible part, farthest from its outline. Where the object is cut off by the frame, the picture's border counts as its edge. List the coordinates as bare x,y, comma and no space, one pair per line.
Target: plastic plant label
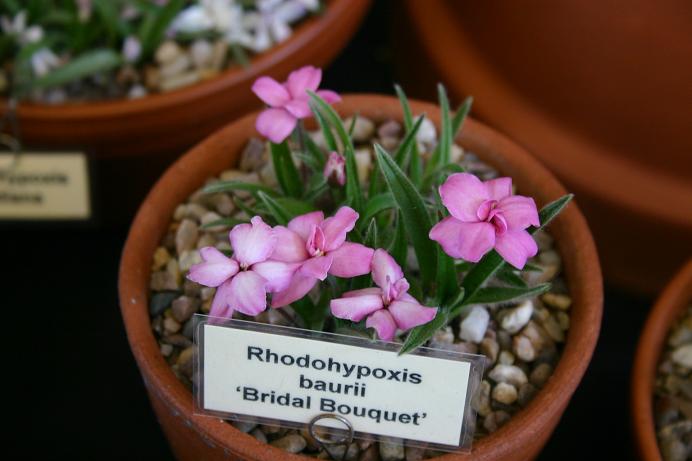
44,186
285,376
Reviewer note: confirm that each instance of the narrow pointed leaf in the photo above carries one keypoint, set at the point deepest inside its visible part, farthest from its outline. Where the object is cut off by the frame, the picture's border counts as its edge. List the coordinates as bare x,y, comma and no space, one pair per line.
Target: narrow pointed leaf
275,209
460,115
497,295
415,164
89,63
416,219
399,247
233,185
402,153
285,170
421,334
377,204
227,222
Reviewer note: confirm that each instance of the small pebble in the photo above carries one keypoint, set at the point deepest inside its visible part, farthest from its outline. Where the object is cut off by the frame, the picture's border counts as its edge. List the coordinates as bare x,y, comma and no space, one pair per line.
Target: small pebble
517,317
557,301
510,374
505,393
292,443
473,327
392,449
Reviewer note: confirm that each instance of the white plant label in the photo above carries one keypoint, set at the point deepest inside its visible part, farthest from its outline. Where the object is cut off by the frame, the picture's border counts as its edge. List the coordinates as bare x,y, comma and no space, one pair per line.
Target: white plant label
295,377
44,186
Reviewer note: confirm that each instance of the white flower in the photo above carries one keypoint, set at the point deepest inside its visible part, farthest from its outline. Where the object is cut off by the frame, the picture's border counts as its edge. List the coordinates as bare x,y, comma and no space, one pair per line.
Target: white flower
43,61
132,49
17,27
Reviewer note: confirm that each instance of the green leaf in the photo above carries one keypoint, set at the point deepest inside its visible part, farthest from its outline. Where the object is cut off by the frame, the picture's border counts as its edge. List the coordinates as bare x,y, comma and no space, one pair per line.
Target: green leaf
155,25
286,172
460,115
89,63
248,210
416,219
227,222
314,151
240,55
508,275
421,334
233,185
447,282
275,209
416,163
371,239
445,144
354,193
377,204
497,295
294,207
401,155
551,210
326,130
399,246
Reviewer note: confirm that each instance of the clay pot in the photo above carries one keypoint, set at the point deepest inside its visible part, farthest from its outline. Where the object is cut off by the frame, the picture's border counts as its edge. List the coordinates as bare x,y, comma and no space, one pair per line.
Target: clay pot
669,306
173,121
600,94
198,437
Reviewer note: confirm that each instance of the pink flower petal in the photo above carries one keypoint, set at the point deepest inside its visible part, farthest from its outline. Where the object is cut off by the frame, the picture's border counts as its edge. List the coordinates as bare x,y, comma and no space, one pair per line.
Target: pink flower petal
270,91
335,169
351,260
299,286
247,293
516,246
336,227
411,314
317,267
252,243
219,305
468,241
290,247
499,188
519,212
462,194
275,124
329,96
385,270
355,308
299,108
303,79
215,269
277,274
383,323
303,224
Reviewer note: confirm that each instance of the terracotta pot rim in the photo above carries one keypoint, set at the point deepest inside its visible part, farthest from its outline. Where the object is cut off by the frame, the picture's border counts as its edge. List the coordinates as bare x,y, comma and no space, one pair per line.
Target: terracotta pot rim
498,98
522,428
672,301
303,35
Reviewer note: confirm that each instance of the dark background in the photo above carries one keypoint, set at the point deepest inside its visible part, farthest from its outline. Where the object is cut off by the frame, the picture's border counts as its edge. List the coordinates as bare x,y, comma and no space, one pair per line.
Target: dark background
75,382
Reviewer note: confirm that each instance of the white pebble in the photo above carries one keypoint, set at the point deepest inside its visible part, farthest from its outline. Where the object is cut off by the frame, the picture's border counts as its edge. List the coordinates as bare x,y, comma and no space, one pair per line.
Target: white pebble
508,374
474,325
683,356
518,317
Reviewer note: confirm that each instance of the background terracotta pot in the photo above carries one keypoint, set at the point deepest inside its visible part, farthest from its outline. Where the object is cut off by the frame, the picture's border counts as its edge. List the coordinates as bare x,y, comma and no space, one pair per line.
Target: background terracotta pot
601,94
118,134
669,306
197,437
173,121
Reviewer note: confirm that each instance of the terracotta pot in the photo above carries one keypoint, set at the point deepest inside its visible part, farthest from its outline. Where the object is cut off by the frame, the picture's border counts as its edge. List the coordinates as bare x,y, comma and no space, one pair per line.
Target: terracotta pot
601,94
173,121
669,306
196,437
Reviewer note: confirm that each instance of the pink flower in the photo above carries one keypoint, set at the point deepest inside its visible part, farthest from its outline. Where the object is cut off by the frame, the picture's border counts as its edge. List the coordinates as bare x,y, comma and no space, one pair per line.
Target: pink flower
387,306
320,246
334,170
243,280
485,215
288,102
